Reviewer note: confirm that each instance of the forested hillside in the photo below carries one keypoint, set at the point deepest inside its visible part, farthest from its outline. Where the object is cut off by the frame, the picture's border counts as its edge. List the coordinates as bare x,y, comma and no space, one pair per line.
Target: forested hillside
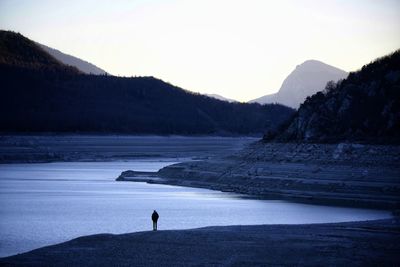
364,107
40,94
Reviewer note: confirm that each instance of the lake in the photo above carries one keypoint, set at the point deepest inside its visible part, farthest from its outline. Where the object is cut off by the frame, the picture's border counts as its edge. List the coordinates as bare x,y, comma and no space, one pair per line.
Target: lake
47,203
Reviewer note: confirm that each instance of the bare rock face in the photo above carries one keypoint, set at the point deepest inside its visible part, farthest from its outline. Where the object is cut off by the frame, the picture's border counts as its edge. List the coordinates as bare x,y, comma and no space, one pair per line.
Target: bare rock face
307,79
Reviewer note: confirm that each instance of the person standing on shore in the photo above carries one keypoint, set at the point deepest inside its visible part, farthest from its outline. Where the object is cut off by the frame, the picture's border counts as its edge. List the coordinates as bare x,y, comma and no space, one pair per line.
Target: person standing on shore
154,218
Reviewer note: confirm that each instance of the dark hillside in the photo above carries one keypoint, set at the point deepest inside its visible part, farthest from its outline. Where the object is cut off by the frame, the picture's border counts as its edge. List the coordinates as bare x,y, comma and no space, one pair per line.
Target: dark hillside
18,51
365,107
39,94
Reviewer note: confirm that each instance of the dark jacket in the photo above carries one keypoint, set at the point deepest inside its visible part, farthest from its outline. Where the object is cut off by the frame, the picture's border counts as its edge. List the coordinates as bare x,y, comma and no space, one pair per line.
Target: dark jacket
154,216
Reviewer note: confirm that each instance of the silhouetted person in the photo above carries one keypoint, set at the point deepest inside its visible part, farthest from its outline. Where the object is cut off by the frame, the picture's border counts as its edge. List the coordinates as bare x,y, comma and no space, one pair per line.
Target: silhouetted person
154,217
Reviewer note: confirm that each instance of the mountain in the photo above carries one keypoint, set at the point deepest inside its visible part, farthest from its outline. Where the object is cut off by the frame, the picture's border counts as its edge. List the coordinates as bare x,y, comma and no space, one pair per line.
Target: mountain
307,79
220,97
80,64
40,94
364,107
16,51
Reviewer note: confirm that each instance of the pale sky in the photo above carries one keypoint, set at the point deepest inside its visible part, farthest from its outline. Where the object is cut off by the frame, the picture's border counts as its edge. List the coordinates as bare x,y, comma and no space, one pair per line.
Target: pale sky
238,49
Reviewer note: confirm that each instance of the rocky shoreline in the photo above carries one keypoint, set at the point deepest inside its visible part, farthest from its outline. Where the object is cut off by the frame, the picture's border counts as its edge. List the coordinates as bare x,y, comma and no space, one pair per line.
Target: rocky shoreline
336,174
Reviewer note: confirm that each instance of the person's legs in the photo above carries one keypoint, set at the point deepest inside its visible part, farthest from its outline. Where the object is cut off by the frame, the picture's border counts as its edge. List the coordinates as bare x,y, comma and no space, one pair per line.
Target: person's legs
154,226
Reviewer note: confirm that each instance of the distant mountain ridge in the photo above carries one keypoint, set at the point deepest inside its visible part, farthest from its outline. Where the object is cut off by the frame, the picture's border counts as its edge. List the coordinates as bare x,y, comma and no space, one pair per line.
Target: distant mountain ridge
364,107
220,97
80,64
16,51
41,94
305,80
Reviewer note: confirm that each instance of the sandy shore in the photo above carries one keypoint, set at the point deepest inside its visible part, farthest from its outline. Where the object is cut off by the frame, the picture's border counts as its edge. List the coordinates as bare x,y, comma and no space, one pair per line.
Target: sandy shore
374,243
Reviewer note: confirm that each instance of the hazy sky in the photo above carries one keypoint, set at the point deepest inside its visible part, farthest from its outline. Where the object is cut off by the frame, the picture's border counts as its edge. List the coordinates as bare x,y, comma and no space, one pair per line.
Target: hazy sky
239,49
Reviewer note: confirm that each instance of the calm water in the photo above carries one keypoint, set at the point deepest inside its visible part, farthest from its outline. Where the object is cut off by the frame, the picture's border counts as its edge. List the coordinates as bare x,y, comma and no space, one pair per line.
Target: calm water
43,204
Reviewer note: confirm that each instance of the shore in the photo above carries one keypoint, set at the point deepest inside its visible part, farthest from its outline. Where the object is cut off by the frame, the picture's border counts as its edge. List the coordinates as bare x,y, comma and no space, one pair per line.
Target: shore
373,243
334,174
337,174
86,147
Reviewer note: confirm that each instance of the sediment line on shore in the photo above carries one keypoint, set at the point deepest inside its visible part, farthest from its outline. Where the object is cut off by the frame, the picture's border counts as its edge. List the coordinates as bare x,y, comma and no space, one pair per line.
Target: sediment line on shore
341,174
